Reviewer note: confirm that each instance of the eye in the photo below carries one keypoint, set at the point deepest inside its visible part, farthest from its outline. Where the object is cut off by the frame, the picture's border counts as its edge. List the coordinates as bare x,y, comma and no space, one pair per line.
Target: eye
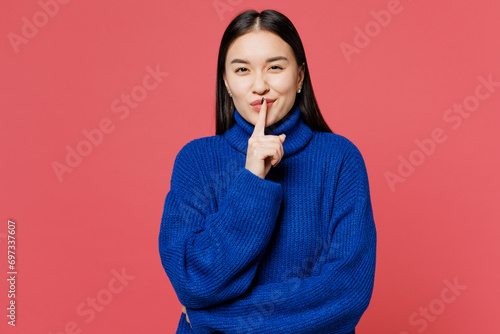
277,67
238,70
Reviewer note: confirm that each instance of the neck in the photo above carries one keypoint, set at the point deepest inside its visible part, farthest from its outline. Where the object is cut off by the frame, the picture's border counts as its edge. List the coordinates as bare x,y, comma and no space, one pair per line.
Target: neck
269,129
297,132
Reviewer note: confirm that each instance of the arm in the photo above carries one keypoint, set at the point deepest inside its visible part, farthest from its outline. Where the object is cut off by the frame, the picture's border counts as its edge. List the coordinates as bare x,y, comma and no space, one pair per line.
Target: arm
334,297
211,257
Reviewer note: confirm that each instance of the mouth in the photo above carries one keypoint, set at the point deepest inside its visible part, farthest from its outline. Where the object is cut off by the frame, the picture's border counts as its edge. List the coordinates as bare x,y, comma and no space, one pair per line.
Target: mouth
256,104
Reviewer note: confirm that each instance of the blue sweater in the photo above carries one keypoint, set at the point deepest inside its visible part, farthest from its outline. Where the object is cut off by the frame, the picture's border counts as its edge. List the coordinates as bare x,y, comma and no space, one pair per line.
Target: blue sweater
291,253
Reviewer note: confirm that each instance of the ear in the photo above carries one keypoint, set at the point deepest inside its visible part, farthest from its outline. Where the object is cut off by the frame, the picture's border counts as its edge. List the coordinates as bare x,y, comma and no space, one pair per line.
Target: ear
301,76
225,82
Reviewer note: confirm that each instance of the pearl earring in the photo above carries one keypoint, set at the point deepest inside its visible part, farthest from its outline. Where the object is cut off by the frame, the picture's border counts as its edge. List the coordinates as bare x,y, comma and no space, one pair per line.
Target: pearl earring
298,92
230,95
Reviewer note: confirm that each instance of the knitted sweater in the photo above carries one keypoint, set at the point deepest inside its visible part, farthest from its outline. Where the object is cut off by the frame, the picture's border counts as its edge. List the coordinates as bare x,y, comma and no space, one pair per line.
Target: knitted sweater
291,253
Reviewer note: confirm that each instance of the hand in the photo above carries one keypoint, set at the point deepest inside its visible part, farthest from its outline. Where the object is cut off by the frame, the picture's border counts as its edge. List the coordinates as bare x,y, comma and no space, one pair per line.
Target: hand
185,312
263,150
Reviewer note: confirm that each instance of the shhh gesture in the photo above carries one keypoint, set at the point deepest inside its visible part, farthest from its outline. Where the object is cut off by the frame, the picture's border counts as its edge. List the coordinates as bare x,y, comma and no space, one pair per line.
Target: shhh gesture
263,150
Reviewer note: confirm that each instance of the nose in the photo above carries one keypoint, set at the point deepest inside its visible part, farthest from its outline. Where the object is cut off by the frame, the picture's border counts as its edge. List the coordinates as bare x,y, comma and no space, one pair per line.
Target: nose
260,85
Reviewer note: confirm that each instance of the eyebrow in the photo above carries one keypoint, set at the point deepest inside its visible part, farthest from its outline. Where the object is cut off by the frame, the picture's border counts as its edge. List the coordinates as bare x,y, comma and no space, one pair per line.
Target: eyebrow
269,60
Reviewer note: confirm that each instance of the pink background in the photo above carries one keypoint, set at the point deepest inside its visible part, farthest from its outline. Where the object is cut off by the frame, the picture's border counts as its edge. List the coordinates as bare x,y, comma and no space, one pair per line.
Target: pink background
436,220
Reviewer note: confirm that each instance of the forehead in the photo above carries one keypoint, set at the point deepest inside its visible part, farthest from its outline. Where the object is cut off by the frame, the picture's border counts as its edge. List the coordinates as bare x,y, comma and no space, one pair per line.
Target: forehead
257,46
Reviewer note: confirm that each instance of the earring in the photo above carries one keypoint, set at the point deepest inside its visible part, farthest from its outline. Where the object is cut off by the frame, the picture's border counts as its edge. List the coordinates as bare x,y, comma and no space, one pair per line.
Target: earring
230,95
298,92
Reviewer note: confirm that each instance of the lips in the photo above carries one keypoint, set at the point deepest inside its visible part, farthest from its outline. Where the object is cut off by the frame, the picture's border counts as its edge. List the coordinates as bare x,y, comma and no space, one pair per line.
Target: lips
256,104
258,101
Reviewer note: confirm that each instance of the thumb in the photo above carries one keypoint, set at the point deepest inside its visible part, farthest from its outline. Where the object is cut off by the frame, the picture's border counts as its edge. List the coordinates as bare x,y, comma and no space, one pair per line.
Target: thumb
282,137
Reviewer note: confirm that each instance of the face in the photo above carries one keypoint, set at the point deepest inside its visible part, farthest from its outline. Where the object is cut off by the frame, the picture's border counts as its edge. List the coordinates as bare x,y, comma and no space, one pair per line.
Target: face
260,64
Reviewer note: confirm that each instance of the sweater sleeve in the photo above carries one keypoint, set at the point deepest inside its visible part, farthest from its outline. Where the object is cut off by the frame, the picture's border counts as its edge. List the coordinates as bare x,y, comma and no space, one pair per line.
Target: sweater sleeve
210,257
336,294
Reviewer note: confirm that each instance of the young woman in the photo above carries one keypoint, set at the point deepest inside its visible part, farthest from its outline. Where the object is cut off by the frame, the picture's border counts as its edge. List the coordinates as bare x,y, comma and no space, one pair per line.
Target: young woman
268,225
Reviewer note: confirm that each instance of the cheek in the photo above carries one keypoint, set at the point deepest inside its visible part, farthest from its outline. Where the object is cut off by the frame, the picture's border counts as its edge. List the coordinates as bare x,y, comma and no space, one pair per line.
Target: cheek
284,84
240,87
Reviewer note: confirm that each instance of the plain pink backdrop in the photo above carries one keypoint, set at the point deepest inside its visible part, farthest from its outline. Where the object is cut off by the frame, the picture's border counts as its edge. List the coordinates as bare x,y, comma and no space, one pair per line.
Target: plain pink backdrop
437,221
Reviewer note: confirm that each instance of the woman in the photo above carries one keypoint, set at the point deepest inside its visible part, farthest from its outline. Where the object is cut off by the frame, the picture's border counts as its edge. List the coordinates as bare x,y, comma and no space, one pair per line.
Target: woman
254,249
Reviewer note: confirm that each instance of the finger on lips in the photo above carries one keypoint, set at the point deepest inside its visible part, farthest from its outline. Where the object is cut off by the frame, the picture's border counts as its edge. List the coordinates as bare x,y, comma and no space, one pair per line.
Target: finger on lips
261,121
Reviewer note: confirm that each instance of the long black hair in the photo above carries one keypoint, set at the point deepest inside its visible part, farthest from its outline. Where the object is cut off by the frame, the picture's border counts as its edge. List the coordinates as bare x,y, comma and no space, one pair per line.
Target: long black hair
277,23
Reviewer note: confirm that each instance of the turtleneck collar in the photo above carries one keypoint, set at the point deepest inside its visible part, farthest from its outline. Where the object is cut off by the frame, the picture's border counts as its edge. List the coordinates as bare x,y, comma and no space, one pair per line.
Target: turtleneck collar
297,132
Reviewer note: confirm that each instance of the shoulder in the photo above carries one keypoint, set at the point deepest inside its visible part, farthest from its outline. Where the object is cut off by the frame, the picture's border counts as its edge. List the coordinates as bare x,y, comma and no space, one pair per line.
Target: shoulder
345,163
336,146
192,155
196,148
191,159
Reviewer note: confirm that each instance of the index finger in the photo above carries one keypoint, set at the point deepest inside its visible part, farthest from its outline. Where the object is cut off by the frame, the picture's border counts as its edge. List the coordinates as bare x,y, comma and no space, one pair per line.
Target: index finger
261,121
